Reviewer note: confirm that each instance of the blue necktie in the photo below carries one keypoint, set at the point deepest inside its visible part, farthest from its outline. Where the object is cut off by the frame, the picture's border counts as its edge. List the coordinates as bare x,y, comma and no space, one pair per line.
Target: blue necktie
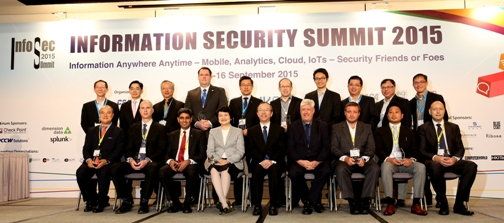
265,133
244,106
203,98
307,134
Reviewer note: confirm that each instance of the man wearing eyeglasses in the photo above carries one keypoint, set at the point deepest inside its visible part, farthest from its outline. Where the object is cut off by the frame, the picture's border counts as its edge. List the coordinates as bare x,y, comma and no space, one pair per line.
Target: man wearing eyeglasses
388,91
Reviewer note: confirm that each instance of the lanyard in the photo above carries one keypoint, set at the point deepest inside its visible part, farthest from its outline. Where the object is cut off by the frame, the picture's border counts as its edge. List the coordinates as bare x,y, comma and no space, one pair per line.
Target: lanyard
439,136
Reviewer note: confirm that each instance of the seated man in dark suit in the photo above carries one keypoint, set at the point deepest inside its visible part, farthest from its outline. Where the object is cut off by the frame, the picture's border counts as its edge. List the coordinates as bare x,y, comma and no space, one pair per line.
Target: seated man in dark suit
266,151
353,146
145,151
366,103
441,145
165,111
308,152
186,153
397,151
89,113
286,107
327,103
103,147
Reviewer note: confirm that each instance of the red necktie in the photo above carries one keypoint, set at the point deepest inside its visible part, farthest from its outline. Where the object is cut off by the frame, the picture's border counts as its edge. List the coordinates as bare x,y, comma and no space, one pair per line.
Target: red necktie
182,148
103,131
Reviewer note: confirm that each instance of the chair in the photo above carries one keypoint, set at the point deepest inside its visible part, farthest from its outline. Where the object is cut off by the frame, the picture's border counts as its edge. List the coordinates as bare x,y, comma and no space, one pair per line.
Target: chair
247,190
356,177
288,191
205,190
130,177
453,176
94,177
161,198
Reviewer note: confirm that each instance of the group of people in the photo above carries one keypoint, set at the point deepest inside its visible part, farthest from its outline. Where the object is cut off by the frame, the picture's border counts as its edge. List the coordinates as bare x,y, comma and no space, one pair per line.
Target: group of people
320,134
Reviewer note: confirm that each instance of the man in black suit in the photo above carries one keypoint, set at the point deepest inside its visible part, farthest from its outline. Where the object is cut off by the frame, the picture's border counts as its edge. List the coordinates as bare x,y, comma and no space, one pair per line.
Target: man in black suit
397,151
266,153
130,113
418,104
89,113
353,146
308,152
366,103
145,151
244,108
441,145
388,91
327,103
286,107
205,100
165,111
103,147
186,154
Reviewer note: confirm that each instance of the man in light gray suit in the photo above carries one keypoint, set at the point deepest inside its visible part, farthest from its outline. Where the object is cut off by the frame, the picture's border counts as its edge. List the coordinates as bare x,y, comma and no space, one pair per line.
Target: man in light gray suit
353,146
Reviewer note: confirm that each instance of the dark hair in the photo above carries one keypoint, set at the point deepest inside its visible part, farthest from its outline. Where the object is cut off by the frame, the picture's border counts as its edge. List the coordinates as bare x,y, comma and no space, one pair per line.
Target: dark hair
205,68
224,109
98,81
387,80
355,77
242,78
394,105
352,104
420,75
321,70
186,111
136,82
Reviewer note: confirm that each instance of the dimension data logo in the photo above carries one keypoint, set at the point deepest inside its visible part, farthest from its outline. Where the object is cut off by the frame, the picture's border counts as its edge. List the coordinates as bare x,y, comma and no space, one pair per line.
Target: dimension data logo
42,49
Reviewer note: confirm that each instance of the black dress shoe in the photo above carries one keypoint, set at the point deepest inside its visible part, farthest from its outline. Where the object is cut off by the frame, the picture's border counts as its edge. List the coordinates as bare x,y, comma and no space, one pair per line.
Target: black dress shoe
174,208
353,207
443,211
400,203
125,207
99,208
144,209
89,207
318,208
461,209
364,206
307,210
273,210
257,210
187,208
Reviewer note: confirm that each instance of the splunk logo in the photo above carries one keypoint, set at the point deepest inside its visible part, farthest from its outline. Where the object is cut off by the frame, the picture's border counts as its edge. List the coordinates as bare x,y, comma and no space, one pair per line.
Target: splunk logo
42,49
60,139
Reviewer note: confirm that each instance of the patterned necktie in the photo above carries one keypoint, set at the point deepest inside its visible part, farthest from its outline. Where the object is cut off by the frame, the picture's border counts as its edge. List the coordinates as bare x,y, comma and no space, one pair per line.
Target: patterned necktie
144,131
245,105
165,109
203,98
265,133
180,156
441,138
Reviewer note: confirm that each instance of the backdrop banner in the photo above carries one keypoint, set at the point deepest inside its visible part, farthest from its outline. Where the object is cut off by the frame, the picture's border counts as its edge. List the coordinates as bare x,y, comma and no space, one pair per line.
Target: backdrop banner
48,70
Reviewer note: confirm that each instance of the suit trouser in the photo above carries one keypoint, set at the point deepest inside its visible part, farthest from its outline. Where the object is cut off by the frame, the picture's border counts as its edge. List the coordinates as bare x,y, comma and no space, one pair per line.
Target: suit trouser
274,173
467,174
87,185
416,169
344,177
124,189
299,186
191,174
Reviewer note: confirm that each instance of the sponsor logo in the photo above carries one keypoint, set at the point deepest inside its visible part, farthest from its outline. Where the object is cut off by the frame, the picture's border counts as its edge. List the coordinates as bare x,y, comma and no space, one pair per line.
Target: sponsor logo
496,125
60,139
452,117
121,101
497,157
476,157
492,136
13,130
42,50
474,125
12,140
469,135
58,130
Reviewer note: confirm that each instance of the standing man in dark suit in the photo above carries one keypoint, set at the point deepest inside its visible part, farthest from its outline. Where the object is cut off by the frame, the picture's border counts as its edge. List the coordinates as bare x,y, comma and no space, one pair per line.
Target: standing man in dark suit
286,107
205,100
103,147
366,103
266,149
244,108
308,152
89,114
165,111
327,103
388,91
353,146
129,110
418,104
441,145
186,154
145,151
397,151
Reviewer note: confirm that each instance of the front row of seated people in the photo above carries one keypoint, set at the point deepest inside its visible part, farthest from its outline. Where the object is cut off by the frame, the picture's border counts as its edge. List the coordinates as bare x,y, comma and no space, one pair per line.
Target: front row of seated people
311,146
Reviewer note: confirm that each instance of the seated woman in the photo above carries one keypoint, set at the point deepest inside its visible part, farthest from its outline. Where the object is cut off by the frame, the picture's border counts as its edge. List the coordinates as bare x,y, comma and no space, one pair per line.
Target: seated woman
225,152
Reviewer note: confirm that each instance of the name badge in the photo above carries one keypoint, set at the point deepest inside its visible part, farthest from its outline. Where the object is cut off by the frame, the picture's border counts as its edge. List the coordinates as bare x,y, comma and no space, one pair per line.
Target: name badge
355,152
162,122
96,152
440,152
142,150
242,123
419,122
96,124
